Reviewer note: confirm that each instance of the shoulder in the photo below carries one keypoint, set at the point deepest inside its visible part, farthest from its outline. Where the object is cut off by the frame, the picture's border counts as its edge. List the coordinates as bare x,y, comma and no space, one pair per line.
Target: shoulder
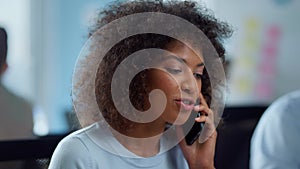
283,111
275,139
291,103
73,142
281,118
72,152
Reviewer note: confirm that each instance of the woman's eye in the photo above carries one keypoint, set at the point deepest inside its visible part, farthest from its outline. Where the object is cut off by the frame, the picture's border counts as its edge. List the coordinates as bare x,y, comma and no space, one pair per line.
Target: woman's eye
198,76
173,71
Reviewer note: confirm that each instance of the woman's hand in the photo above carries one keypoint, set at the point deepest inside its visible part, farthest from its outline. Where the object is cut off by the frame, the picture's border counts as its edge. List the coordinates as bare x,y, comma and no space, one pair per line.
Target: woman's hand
200,155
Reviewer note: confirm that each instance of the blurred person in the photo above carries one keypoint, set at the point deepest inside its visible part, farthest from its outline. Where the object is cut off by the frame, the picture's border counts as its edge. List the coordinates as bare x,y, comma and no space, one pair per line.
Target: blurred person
275,143
16,119
116,141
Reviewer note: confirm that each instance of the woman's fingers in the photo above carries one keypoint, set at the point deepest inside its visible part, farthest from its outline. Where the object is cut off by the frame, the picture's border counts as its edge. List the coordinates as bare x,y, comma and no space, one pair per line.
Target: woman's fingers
207,116
209,128
203,110
201,118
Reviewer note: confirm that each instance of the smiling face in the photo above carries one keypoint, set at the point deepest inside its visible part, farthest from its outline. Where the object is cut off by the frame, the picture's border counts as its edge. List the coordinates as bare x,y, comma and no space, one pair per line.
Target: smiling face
179,77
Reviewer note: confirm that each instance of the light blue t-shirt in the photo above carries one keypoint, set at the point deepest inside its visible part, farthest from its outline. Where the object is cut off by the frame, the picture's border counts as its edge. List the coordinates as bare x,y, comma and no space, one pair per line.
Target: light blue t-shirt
94,147
275,143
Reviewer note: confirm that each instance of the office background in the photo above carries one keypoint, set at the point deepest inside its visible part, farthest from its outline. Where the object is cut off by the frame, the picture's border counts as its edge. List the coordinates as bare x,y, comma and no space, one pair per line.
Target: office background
45,38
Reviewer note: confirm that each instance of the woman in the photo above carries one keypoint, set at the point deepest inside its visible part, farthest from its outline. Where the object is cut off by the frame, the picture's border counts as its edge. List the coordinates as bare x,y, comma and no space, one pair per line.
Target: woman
162,78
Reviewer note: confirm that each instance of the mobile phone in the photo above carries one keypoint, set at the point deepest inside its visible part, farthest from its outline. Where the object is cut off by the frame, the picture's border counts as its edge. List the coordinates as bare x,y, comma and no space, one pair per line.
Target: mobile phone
193,132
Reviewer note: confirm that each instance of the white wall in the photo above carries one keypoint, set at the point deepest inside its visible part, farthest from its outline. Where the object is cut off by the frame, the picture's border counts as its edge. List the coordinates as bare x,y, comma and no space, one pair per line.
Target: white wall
61,30
15,18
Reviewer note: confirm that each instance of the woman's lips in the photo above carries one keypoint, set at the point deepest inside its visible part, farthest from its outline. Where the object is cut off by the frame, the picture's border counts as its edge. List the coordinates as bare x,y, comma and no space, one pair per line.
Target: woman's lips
185,104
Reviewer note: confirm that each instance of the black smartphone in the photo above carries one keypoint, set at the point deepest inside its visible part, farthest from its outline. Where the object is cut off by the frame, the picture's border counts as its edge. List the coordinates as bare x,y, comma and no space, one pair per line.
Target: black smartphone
193,133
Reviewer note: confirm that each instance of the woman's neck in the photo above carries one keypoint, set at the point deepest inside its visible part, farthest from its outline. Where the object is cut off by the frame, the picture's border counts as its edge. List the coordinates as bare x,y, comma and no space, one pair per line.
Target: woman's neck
142,139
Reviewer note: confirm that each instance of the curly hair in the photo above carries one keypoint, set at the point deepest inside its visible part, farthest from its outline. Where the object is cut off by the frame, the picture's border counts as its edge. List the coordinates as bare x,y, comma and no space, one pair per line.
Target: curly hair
201,17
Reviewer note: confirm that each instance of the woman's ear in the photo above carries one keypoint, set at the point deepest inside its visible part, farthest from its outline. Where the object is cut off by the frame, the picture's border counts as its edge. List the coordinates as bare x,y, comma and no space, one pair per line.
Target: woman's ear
3,68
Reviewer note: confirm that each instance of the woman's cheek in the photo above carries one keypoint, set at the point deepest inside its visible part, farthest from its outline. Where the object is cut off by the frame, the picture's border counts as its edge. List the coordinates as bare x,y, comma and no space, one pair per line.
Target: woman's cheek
168,84
199,84
165,82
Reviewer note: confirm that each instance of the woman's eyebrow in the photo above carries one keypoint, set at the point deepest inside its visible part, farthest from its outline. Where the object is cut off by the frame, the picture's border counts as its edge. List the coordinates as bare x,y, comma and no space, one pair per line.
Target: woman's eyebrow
168,57
181,60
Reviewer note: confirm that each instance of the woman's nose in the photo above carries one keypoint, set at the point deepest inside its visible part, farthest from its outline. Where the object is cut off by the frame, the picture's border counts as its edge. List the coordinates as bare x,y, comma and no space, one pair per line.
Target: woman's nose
188,84
187,90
